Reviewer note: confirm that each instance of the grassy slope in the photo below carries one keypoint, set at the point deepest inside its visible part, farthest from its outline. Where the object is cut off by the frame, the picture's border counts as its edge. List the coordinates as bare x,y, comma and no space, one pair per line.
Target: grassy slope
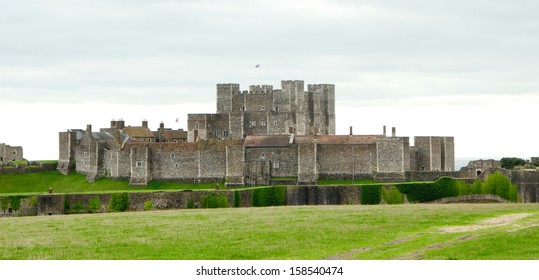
40,182
317,232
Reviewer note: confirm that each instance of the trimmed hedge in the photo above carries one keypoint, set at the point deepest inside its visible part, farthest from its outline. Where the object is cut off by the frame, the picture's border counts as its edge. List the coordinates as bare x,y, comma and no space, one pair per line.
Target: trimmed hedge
119,202
270,196
370,194
392,195
496,183
214,200
237,199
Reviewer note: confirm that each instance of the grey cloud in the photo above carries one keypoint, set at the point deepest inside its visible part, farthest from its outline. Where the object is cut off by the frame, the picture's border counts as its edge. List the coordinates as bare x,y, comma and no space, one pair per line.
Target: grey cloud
159,52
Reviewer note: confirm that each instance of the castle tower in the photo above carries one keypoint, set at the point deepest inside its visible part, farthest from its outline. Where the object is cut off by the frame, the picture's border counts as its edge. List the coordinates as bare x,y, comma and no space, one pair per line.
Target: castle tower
225,93
321,108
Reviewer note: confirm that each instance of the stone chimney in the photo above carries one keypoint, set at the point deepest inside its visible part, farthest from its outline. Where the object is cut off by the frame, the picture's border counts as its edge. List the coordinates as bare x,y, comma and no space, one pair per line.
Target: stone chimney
145,124
89,128
113,124
120,124
351,133
384,131
393,132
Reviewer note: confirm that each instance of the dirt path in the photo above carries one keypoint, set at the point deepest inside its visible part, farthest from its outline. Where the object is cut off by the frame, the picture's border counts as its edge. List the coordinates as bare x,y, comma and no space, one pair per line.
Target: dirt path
488,223
493,222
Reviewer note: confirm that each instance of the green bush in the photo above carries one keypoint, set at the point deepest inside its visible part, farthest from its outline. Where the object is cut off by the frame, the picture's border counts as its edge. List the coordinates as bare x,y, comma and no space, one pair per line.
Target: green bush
119,202
270,196
78,207
148,205
191,203
32,201
67,207
370,194
4,202
392,195
15,202
237,199
422,192
476,187
499,184
214,200
94,205
511,162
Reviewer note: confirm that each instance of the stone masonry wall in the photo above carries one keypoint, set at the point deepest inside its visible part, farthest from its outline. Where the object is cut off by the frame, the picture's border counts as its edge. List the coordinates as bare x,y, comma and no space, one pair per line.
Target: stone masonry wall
345,161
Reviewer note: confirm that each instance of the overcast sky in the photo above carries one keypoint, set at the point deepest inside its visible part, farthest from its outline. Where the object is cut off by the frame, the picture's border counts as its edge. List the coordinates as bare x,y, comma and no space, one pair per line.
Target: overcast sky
460,68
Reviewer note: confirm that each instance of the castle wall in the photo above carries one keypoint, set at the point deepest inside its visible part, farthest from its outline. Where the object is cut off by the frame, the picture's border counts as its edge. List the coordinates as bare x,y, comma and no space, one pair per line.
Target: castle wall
196,127
283,161
280,122
235,165
423,146
66,149
238,101
345,161
212,164
392,153
139,157
449,154
259,99
307,169
236,125
528,185
436,153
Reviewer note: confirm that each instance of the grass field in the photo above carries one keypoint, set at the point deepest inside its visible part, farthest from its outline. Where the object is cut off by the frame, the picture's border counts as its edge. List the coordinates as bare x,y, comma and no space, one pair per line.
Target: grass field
413,231
39,182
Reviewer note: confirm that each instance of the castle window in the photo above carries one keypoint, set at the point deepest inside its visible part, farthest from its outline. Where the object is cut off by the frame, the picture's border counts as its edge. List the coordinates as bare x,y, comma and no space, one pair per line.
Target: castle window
276,165
141,140
253,123
197,124
263,123
177,165
14,152
215,133
276,109
85,154
226,108
275,122
263,156
243,108
172,155
263,108
139,163
225,133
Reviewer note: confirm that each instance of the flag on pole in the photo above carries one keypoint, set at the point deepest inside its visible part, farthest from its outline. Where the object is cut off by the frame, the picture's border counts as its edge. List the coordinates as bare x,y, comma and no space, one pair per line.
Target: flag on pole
257,66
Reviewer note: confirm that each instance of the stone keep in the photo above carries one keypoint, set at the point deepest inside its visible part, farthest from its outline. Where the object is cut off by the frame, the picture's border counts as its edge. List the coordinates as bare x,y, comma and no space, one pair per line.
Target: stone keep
266,111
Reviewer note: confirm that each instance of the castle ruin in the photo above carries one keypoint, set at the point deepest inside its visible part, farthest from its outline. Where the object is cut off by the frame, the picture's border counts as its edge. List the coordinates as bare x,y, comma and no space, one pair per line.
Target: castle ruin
10,153
255,137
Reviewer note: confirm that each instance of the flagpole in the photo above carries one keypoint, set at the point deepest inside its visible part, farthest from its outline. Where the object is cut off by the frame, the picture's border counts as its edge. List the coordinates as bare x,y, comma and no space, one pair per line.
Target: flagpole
259,75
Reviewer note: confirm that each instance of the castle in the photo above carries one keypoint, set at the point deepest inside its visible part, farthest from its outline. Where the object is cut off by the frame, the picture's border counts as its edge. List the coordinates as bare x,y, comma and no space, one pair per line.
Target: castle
255,137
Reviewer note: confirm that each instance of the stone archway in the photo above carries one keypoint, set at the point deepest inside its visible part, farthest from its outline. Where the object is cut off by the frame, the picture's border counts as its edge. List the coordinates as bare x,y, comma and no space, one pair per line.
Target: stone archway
478,173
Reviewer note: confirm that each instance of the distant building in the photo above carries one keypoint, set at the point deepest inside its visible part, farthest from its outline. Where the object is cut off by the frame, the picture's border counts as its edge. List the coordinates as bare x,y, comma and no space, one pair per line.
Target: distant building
10,153
254,138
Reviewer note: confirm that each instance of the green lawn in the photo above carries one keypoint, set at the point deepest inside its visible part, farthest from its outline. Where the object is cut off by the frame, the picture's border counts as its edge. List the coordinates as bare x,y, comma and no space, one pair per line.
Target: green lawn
39,182
413,231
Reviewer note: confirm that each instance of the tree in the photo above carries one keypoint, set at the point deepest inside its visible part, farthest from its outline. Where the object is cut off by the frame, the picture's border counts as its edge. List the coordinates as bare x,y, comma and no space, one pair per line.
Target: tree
510,163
